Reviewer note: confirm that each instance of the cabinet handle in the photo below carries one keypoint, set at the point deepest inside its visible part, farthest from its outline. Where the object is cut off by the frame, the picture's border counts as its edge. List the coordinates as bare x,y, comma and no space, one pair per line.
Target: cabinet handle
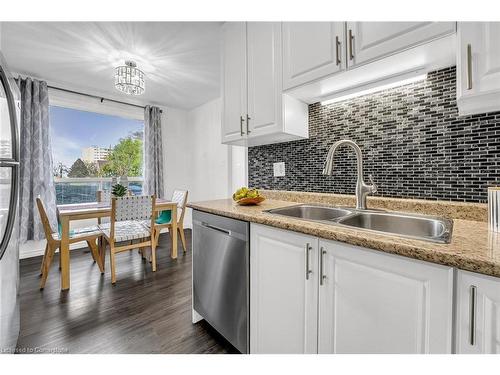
351,47
308,271
469,67
337,50
241,126
322,276
472,315
248,121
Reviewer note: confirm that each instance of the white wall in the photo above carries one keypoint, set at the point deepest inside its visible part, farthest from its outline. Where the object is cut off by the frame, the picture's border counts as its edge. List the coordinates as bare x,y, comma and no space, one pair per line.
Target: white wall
175,134
195,159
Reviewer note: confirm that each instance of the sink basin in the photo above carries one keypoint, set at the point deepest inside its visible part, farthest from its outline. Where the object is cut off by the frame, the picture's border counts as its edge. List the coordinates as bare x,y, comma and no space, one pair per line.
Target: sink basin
414,226
421,227
311,212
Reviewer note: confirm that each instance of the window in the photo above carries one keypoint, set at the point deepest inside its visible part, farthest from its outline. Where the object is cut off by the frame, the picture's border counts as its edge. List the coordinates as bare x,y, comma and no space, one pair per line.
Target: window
89,149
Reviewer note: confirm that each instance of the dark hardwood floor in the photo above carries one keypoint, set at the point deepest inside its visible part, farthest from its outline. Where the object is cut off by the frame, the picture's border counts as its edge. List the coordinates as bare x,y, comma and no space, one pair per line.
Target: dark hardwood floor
144,312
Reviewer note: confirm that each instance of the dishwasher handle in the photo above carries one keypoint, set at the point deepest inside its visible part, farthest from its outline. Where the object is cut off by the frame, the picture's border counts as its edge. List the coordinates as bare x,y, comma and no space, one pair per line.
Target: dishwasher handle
210,226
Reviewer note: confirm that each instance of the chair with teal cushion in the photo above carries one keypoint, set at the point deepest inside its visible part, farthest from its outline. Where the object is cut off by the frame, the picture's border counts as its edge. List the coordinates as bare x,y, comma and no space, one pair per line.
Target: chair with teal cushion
165,219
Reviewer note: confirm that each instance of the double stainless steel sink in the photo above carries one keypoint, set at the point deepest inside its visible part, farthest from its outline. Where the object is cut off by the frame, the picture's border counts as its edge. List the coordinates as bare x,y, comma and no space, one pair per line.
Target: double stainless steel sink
421,227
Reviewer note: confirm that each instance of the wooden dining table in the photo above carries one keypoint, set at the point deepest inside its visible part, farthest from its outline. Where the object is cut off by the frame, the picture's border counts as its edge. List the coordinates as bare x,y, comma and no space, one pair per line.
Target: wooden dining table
95,210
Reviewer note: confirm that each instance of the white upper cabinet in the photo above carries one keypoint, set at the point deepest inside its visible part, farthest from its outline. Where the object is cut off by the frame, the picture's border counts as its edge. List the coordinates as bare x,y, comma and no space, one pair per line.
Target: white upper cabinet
370,302
255,110
371,54
478,314
368,41
234,81
283,291
312,50
478,67
264,78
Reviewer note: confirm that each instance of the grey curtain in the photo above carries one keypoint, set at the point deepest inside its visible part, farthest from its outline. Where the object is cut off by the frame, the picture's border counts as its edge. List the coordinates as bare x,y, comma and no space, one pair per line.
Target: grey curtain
36,159
153,153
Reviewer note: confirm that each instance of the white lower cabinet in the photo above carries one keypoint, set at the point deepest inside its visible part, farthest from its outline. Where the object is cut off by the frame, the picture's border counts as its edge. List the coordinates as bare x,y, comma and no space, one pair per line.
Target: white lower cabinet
478,314
283,301
309,295
371,302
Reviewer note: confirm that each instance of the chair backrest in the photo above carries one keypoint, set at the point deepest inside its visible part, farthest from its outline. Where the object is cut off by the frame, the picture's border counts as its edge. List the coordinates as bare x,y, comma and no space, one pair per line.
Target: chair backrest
105,195
45,219
135,207
180,197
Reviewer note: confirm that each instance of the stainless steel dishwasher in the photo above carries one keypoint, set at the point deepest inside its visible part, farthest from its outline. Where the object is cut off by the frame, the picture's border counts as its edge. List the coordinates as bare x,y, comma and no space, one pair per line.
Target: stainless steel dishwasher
221,275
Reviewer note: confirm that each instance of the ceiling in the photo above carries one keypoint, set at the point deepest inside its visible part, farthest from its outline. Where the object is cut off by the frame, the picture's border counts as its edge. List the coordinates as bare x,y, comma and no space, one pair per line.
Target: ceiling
181,60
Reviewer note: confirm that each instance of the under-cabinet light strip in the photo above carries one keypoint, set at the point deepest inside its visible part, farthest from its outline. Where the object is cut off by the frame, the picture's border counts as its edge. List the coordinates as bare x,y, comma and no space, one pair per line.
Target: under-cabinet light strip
387,84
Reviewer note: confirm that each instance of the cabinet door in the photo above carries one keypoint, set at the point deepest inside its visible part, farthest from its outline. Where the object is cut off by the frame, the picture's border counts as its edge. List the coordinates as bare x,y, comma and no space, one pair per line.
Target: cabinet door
312,50
370,302
264,78
234,81
478,314
283,300
368,41
478,67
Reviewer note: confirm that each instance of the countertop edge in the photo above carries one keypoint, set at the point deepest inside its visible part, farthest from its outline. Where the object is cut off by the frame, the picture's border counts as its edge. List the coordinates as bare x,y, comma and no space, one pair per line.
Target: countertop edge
378,242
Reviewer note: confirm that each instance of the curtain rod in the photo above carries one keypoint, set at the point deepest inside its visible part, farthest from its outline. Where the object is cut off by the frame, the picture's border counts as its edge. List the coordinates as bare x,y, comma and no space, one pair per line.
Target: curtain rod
96,97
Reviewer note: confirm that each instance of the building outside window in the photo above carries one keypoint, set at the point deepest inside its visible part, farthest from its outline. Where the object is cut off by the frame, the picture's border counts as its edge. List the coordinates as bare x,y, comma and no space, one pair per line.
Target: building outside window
89,149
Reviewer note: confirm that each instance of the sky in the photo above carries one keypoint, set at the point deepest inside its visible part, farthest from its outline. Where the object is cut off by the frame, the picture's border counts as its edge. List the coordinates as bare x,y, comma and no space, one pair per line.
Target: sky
71,130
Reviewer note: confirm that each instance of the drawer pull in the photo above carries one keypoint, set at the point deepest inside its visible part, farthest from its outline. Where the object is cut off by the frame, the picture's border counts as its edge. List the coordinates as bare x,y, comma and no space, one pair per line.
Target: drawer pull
308,271
472,315
322,276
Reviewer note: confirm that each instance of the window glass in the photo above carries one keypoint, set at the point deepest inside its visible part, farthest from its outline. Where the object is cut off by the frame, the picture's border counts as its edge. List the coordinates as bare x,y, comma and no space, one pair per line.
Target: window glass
90,149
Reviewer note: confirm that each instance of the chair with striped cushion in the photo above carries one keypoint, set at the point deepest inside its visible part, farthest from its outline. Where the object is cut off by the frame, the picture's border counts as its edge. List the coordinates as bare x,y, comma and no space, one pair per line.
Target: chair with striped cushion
88,234
126,224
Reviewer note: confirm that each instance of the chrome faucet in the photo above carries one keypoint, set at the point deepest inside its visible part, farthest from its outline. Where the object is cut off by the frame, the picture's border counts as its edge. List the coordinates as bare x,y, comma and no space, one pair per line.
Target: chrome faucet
362,189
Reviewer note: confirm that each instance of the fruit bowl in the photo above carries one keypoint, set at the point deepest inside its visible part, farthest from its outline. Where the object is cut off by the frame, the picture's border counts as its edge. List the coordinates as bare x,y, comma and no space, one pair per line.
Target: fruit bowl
250,201
246,197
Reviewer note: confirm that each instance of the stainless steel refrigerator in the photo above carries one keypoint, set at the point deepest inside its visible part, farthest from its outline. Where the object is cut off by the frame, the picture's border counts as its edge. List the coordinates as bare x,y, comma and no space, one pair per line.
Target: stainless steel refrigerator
9,223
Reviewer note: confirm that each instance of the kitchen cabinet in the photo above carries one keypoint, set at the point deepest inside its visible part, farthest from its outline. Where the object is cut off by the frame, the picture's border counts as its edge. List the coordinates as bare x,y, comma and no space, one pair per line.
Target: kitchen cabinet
371,54
264,78
478,67
312,50
283,291
368,41
477,314
371,302
339,298
255,110
234,81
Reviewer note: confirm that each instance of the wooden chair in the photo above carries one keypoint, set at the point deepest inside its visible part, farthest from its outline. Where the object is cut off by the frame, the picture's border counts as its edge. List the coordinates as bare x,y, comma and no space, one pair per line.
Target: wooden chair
105,196
88,234
126,224
180,197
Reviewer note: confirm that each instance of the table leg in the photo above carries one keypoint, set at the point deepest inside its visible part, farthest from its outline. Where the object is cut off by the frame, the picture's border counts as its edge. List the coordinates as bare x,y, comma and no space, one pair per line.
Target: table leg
64,253
173,255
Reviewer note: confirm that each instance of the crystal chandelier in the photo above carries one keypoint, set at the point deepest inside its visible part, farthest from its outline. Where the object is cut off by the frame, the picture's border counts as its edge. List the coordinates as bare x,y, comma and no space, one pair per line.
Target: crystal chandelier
129,79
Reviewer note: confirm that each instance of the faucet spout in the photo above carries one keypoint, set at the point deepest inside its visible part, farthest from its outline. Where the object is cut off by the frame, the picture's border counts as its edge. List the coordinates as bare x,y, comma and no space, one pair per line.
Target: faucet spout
362,189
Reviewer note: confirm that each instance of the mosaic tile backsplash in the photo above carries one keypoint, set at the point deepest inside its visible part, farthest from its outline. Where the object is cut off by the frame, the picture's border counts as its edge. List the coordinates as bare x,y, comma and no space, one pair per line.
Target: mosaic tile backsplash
413,141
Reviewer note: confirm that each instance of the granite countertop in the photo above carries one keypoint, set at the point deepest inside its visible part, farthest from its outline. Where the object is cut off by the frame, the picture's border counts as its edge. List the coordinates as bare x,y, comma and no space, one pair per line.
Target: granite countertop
473,247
